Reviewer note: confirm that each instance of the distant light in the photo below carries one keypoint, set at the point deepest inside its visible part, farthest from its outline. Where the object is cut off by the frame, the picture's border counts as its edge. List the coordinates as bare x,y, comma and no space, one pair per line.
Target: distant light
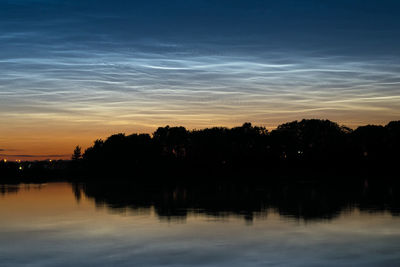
50,160
20,167
5,160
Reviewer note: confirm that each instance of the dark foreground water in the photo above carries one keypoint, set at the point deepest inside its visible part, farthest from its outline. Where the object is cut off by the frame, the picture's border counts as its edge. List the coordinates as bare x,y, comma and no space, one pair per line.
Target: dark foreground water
60,224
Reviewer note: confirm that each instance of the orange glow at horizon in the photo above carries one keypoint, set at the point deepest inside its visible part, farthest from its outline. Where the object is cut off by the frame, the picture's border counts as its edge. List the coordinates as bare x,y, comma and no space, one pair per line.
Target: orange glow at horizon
80,73
52,143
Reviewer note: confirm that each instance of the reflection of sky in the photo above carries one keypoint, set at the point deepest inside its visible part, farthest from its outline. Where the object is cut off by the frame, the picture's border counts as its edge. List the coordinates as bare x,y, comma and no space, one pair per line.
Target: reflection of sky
100,67
47,227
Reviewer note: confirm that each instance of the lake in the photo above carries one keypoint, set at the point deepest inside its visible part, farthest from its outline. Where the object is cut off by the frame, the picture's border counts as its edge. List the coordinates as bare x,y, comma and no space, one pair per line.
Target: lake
64,224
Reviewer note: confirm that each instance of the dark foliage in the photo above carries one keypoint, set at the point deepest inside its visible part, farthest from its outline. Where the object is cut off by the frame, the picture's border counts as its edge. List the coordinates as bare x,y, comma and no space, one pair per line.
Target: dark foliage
36,171
307,147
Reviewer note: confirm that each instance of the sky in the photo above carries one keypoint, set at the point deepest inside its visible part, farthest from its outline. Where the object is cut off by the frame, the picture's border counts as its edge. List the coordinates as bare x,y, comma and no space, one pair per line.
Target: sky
75,71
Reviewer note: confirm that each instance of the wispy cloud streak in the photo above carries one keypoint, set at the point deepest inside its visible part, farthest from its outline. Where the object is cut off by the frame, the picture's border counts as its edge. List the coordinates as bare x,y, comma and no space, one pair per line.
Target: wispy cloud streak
35,156
153,88
128,66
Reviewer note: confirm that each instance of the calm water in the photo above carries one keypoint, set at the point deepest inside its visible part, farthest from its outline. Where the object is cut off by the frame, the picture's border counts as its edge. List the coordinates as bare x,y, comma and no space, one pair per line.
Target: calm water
59,224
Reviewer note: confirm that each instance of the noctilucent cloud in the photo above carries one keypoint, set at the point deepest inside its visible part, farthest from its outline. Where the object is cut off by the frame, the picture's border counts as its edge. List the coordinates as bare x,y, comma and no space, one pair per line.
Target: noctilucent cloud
73,71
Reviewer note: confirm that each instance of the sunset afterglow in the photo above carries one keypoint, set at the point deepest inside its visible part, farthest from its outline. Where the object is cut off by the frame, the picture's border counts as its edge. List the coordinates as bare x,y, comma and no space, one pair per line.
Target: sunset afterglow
70,76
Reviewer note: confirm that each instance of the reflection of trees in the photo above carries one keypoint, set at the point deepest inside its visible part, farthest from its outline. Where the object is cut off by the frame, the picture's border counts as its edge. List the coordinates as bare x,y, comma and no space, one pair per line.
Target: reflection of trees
308,201
8,189
14,188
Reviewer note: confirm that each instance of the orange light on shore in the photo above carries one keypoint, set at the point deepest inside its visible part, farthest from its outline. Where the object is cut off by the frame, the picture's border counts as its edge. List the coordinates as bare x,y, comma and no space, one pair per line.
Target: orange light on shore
5,160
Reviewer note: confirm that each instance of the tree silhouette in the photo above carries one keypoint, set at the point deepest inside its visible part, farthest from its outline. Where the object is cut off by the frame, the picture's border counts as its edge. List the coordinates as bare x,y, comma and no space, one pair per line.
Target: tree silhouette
306,148
77,155
294,148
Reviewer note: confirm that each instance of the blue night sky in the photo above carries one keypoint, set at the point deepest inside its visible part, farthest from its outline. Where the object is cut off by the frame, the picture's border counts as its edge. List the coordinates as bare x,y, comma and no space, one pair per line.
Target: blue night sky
74,71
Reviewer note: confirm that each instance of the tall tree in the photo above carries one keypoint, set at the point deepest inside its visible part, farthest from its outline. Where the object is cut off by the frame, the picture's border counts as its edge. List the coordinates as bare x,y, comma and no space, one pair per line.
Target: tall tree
77,155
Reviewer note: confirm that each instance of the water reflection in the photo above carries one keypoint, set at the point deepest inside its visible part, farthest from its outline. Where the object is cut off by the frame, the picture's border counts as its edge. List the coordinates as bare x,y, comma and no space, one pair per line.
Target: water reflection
15,188
287,224
309,201
8,189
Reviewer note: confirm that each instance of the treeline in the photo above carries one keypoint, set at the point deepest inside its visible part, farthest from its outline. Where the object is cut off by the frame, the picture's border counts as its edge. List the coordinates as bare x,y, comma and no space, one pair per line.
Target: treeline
35,171
307,147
